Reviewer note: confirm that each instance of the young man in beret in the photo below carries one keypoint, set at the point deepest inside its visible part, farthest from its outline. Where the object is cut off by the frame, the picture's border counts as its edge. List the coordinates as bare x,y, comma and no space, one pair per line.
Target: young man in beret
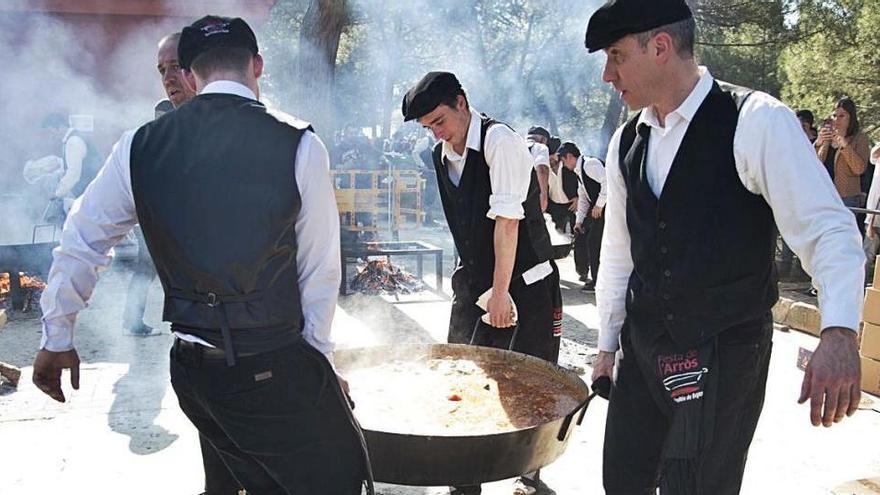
589,218
489,192
238,213
696,182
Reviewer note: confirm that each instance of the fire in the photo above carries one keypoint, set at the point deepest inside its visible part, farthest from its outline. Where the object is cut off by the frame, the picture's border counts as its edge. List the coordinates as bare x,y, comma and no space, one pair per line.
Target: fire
28,282
381,276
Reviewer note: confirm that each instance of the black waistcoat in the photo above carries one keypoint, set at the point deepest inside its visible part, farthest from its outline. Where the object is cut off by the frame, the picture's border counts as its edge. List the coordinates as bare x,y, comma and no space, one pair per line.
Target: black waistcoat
466,206
91,164
703,253
217,199
593,188
569,182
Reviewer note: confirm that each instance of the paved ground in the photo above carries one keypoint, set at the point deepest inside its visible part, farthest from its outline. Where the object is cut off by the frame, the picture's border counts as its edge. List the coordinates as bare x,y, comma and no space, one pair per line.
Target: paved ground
122,432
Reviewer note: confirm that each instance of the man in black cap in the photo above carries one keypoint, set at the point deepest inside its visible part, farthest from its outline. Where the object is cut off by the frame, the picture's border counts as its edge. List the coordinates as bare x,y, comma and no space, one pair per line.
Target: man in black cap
562,191
238,213
686,283
589,222
489,192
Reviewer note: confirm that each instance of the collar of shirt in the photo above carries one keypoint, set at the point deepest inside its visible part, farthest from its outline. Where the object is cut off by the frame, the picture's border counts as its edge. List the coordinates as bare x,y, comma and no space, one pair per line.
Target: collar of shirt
472,142
229,87
579,167
686,111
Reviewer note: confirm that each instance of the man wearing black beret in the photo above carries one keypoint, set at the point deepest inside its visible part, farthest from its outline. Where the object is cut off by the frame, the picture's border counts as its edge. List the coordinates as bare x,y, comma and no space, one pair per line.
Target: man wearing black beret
696,182
537,139
489,192
238,212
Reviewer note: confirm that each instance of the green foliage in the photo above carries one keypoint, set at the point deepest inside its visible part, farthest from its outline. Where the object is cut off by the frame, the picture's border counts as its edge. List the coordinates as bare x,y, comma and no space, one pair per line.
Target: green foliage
523,61
836,63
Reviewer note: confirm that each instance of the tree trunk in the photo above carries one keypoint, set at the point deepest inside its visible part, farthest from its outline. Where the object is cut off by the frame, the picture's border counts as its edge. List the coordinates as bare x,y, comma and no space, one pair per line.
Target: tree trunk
322,28
613,115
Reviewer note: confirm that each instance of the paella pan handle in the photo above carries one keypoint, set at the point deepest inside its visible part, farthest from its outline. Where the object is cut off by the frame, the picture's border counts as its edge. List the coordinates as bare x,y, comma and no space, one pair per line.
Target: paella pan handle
512,337
601,387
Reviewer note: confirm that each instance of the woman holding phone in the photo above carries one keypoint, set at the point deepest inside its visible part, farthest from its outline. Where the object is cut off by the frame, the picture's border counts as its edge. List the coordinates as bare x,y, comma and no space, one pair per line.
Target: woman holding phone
844,150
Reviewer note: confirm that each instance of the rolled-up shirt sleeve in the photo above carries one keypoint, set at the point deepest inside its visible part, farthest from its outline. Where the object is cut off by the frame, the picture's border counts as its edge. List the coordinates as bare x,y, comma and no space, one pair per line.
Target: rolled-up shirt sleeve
808,211
318,250
615,259
98,220
510,168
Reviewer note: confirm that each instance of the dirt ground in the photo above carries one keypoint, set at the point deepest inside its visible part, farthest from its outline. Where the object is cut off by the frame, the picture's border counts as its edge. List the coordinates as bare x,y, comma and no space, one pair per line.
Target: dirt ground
123,432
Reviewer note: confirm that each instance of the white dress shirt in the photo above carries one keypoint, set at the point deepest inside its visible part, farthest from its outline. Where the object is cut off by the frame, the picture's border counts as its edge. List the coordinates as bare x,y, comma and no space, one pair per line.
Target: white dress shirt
555,184
510,172
106,212
75,151
775,160
594,169
873,202
540,153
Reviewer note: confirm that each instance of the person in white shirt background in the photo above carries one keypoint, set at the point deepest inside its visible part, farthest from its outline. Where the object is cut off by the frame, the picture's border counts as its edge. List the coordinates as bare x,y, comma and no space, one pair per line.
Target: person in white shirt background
79,163
686,283
589,218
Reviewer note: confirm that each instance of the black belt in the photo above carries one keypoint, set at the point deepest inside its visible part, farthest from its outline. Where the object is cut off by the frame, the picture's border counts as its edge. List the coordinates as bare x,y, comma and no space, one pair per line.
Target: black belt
217,303
204,352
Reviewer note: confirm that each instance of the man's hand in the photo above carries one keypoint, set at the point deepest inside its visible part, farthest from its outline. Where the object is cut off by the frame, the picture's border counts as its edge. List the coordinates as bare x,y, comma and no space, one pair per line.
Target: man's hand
343,383
833,377
840,140
604,365
47,371
573,205
579,228
597,212
500,310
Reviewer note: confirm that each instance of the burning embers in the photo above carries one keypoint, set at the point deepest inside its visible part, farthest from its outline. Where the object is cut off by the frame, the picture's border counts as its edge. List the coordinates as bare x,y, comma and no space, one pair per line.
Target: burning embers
380,276
26,295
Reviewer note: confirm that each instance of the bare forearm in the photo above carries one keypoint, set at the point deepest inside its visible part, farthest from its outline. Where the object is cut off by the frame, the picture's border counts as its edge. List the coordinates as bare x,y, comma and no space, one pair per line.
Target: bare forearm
543,173
506,237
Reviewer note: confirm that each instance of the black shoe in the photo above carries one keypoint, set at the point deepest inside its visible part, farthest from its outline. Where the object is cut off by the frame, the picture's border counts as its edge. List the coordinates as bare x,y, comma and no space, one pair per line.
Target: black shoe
583,278
141,330
589,286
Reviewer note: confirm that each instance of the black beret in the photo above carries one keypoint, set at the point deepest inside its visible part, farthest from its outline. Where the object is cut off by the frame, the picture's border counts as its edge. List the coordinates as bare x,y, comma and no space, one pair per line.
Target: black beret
539,131
553,144
428,93
211,32
568,147
619,18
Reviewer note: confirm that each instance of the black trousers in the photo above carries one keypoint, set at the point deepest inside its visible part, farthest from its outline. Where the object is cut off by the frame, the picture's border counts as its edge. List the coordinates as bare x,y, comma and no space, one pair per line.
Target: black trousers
139,286
218,479
561,216
540,316
278,420
635,428
593,241
540,322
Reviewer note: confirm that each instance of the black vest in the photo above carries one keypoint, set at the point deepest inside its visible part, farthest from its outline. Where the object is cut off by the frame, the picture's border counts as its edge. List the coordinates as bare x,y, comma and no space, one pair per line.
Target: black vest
569,182
91,164
466,206
702,253
217,199
593,188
